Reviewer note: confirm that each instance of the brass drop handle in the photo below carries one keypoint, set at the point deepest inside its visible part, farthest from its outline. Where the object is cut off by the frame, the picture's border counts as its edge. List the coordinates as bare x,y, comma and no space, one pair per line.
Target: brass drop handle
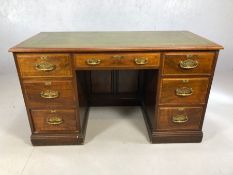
45,66
50,94
141,60
54,120
184,91
180,118
188,64
93,61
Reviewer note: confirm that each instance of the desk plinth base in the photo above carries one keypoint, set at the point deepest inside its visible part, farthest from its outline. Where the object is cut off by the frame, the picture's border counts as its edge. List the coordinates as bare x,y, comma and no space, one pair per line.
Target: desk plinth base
176,137
56,139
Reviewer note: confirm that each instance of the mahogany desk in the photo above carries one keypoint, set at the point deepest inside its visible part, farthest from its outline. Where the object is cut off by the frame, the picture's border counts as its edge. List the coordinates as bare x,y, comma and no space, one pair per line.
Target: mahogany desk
168,74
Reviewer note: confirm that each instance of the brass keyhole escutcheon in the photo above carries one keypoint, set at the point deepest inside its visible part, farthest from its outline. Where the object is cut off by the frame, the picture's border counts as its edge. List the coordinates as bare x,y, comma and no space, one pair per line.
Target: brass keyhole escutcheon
117,59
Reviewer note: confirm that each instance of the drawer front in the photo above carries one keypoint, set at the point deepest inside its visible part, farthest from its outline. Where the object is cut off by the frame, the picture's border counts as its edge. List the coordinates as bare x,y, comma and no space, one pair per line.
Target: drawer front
49,93
188,63
183,90
44,65
175,118
118,60
54,120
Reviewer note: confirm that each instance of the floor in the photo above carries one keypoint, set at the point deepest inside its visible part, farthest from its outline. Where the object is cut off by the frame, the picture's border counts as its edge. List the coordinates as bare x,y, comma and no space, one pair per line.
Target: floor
116,141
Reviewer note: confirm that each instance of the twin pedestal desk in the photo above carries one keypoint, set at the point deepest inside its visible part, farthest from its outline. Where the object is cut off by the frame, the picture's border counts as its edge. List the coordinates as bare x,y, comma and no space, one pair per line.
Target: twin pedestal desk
168,74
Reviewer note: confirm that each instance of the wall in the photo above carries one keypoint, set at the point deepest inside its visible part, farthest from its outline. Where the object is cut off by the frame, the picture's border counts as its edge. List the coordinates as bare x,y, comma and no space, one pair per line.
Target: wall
20,19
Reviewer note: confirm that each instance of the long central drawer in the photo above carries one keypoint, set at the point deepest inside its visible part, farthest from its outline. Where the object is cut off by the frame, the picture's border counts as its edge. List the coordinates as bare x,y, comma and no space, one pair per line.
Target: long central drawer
117,61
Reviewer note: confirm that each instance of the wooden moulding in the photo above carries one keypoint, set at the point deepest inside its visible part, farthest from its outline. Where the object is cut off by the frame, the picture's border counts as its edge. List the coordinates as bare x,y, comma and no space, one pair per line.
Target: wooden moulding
56,139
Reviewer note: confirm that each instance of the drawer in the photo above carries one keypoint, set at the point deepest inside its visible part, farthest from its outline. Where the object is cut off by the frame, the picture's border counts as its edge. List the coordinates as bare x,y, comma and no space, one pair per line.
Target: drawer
180,118
183,90
118,60
44,65
188,63
54,120
49,93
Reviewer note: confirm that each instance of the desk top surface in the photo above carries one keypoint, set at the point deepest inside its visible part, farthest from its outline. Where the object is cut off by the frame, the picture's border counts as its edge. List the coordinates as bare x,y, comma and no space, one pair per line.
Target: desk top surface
114,41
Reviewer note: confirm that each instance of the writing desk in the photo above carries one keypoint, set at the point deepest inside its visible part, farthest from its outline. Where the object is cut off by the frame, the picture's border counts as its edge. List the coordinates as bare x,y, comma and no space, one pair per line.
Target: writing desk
168,74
